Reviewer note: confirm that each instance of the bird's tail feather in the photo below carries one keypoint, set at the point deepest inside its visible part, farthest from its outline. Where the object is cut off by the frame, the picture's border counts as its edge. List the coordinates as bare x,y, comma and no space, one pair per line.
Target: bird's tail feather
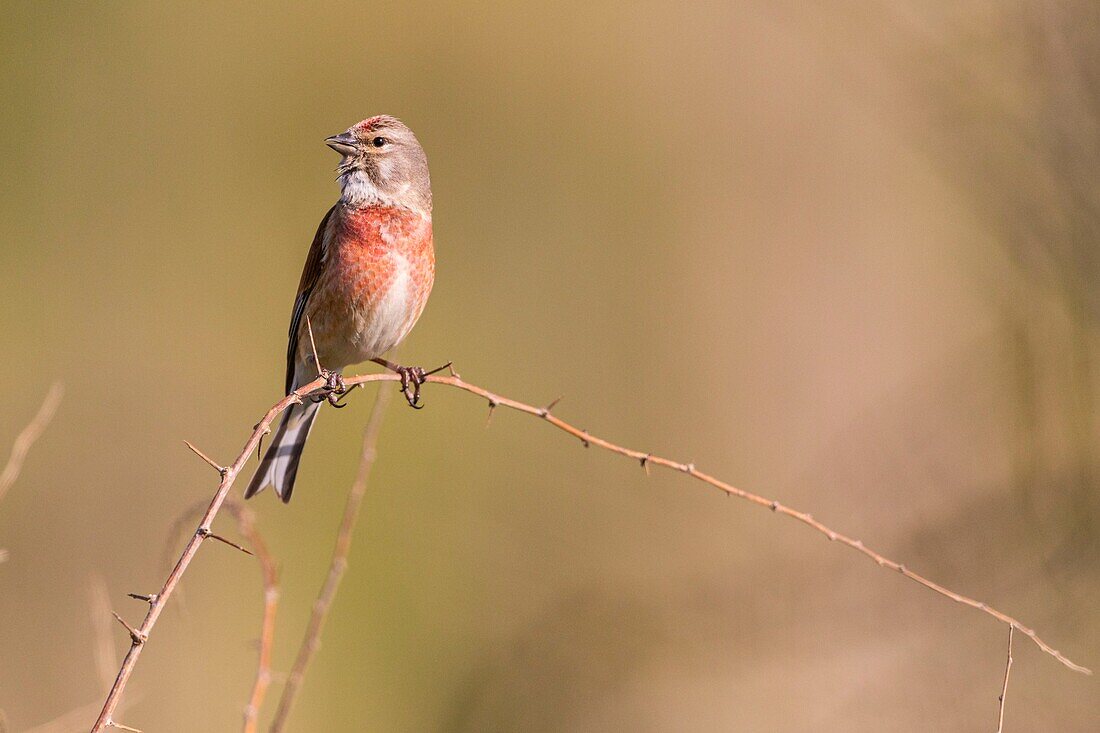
279,465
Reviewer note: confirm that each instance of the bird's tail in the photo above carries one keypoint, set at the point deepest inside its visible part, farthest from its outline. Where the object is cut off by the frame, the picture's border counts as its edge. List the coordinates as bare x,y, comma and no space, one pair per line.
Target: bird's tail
280,463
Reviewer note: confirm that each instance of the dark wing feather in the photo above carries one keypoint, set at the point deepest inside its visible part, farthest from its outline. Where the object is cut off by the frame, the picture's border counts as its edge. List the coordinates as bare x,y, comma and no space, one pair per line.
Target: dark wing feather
310,273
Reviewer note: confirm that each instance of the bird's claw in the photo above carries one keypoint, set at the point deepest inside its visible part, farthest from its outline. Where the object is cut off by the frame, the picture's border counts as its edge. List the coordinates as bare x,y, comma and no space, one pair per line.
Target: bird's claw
333,387
411,380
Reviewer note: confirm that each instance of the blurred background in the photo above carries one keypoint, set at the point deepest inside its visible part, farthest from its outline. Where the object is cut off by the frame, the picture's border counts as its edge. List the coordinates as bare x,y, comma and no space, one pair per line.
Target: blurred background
843,255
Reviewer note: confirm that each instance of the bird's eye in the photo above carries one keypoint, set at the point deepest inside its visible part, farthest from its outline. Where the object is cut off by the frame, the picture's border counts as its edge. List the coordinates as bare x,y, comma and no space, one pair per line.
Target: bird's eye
378,142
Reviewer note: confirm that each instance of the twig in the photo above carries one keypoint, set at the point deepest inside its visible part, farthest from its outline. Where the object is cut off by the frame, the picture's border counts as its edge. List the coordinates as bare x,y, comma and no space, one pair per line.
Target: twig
295,397
30,434
339,564
1004,686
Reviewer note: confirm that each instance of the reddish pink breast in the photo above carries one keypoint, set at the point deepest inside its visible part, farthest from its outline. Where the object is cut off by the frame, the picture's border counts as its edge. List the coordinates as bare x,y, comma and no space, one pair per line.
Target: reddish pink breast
370,251
365,242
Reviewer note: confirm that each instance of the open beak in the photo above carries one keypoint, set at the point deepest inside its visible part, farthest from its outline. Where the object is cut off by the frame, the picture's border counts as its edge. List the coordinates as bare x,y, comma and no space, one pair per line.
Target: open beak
344,143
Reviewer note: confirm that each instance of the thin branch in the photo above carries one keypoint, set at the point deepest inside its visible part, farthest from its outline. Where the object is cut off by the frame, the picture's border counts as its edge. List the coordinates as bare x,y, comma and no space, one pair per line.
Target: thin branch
587,439
30,434
339,564
648,459
1004,686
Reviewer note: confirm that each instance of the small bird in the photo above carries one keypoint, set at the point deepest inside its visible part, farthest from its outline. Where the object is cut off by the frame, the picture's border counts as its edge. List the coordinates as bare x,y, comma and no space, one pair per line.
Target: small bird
365,282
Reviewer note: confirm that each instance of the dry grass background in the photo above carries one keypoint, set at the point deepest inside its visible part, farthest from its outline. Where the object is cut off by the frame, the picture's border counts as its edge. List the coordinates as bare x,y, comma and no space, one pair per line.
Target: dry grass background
846,257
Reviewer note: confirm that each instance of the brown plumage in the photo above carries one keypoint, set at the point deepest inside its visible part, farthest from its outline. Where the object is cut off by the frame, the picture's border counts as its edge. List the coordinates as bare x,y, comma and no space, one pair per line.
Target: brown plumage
366,278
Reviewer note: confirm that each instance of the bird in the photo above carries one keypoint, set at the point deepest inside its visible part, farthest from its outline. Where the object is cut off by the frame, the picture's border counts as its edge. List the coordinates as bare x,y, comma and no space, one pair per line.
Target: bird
365,282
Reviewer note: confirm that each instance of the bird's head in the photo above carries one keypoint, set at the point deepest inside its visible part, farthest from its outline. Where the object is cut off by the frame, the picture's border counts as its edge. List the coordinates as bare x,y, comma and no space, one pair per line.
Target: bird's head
382,163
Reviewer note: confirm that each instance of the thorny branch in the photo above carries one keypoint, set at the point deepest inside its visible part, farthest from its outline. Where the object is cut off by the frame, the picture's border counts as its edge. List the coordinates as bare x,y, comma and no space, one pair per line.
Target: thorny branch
158,600
646,460
339,564
229,475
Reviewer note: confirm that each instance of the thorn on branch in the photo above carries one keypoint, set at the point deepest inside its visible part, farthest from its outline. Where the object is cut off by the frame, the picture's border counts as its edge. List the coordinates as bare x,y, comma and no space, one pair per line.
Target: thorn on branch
135,636
644,460
120,726
260,442
222,470
775,507
438,369
205,533
492,406
150,599
553,403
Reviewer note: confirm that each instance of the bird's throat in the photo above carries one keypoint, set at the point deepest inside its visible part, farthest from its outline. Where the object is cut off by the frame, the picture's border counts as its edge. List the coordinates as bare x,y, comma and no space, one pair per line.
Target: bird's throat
358,190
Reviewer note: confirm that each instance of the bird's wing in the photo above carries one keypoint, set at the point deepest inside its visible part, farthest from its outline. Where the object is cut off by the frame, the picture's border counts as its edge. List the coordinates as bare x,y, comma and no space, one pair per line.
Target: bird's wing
315,263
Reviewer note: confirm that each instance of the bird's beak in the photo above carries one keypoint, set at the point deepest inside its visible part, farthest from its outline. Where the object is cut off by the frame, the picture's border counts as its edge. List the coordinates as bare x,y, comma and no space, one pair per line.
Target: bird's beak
344,143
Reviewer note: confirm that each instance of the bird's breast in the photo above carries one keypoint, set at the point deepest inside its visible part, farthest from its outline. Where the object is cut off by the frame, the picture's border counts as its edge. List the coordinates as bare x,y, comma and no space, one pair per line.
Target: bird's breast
379,271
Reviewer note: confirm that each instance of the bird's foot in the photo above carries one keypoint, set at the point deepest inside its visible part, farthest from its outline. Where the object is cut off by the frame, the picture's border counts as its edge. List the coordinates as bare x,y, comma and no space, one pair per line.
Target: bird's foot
334,386
412,378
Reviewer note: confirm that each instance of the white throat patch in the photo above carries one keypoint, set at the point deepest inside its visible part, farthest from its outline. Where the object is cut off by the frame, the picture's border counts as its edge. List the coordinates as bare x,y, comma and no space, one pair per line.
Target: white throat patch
358,190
